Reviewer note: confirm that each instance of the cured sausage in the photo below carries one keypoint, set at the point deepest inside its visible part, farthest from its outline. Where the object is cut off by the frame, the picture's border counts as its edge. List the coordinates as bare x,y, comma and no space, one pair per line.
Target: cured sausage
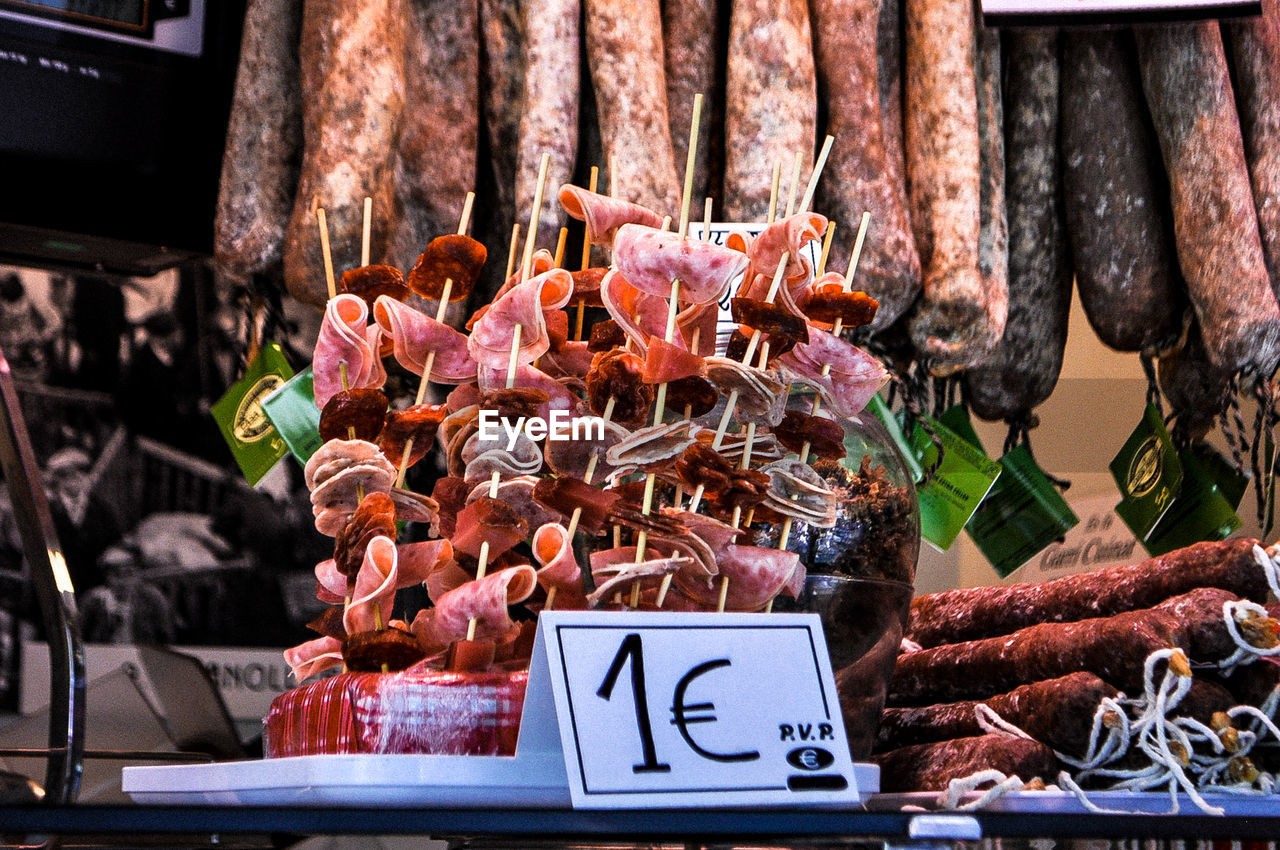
1255,52
1023,368
1116,197
502,69
624,52
436,154
352,56
957,320
773,113
977,612
1196,388
1113,648
549,121
862,174
1185,77
930,767
264,142
1058,712
694,38
993,222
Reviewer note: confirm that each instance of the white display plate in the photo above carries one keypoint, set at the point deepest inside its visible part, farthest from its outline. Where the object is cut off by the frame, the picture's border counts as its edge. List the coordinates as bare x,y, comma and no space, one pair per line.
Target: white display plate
1051,802
400,781
397,781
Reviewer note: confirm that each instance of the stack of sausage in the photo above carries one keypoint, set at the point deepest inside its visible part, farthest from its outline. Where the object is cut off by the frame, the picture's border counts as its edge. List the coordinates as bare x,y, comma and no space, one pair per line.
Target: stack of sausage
1045,657
994,164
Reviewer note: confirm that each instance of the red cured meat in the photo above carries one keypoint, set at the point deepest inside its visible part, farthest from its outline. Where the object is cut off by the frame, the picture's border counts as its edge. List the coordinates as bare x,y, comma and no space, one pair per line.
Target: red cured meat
413,334
651,259
603,214
492,335
346,337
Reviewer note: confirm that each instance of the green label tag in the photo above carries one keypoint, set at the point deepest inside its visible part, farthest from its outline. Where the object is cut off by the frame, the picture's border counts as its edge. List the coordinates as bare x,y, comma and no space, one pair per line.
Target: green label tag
1023,513
893,425
1230,483
292,409
1148,473
1199,511
956,489
254,441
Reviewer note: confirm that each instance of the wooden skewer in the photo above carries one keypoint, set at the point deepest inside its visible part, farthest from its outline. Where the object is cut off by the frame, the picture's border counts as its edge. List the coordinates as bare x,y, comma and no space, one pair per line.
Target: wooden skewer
513,362
817,172
442,310
673,306
558,260
511,252
773,192
322,221
796,164
366,231
586,258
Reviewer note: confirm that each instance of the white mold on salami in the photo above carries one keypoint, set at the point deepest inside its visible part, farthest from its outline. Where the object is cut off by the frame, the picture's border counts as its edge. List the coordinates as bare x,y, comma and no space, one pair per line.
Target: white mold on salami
772,111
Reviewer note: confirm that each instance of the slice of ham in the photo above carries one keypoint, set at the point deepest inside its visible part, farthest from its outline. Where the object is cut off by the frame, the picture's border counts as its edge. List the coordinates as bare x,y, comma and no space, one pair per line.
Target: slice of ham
665,362
565,495
553,549
374,593
314,656
640,314
571,360
762,398
654,444
603,214
492,521
697,325
797,491
518,494
334,456
484,600
755,576
523,305
615,569
530,377
413,334
853,378
416,563
788,235
570,458
347,342
651,259
484,457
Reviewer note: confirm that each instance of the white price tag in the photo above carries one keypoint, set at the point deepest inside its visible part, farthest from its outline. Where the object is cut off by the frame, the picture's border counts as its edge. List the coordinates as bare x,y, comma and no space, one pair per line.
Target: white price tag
658,709
1000,11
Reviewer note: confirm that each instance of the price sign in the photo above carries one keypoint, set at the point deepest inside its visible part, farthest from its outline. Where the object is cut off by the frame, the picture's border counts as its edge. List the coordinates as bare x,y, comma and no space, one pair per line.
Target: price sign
1002,12
680,710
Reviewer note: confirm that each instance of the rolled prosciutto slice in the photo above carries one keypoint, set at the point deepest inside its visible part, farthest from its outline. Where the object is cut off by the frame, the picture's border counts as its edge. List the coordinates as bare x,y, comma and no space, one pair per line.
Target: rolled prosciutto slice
414,334
314,656
485,600
755,576
651,259
553,549
641,315
523,305
787,236
603,214
347,342
853,378
375,589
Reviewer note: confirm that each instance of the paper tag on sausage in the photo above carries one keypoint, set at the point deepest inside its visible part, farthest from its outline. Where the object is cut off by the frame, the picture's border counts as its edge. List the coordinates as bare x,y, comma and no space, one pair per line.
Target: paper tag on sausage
1148,473
1023,514
292,409
1201,509
254,441
962,481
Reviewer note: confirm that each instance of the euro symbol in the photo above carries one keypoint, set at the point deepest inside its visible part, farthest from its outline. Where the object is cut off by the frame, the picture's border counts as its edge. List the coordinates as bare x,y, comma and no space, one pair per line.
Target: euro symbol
702,712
